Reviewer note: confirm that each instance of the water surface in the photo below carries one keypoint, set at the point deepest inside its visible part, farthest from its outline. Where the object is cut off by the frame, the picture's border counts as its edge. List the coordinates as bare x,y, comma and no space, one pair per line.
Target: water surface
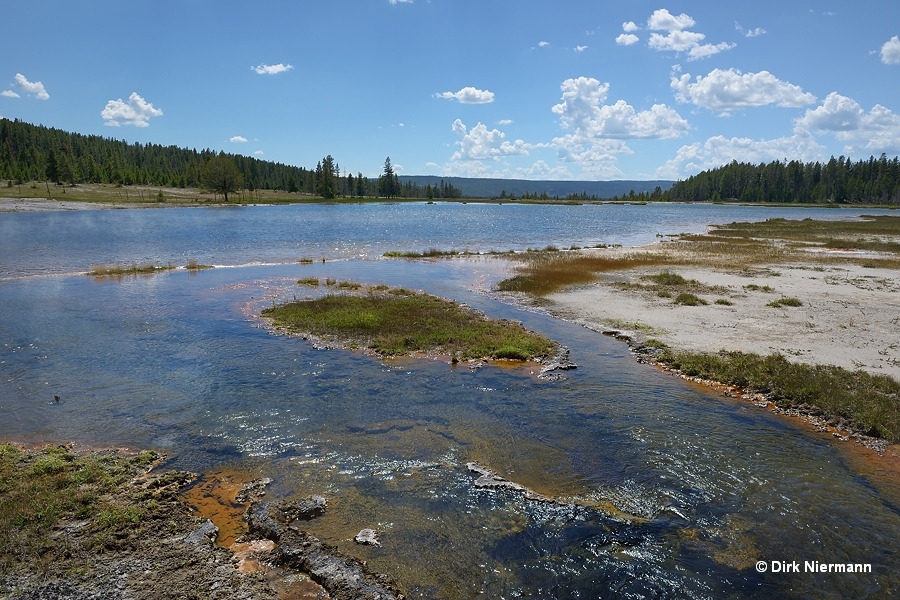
661,489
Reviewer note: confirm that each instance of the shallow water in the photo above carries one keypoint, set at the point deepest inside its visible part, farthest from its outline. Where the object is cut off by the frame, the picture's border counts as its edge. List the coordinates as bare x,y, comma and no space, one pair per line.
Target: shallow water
661,489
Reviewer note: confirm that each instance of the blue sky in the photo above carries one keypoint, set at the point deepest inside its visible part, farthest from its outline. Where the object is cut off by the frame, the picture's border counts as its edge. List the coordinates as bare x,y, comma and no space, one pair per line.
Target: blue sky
533,89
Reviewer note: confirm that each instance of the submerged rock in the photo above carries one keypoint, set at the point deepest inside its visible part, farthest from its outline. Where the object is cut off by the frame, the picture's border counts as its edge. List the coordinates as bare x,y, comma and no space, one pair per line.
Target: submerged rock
342,576
560,362
490,480
367,537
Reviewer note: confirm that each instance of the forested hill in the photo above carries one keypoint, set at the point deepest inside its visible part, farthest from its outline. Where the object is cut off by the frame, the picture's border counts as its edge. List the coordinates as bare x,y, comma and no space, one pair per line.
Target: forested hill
36,153
838,180
473,187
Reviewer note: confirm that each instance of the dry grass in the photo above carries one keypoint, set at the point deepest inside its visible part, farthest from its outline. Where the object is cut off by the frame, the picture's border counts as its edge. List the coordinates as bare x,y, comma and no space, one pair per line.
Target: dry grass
738,247
546,272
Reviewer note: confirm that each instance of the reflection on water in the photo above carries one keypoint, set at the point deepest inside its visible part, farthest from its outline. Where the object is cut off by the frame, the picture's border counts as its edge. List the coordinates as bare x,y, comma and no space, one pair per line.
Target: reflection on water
659,489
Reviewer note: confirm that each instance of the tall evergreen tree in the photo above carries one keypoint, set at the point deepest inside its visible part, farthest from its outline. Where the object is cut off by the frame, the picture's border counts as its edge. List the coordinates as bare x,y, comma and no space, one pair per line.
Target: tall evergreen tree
388,184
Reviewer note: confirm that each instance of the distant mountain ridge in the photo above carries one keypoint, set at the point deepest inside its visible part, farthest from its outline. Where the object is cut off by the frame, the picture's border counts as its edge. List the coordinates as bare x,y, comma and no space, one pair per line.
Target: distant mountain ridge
474,187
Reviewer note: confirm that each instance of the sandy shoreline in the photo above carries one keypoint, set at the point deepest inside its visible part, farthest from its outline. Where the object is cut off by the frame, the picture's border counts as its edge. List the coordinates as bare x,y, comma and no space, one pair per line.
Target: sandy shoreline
47,205
850,315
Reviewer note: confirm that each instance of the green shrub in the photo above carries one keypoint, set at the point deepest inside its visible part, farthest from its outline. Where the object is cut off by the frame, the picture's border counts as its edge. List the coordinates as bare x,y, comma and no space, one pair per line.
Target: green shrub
785,302
668,278
688,299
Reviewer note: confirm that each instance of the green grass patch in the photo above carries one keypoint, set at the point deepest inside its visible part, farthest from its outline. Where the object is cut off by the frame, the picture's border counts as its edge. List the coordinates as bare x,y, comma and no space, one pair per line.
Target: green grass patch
689,299
871,403
397,322
752,287
430,253
669,279
119,270
724,302
193,265
310,281
40,490
785,302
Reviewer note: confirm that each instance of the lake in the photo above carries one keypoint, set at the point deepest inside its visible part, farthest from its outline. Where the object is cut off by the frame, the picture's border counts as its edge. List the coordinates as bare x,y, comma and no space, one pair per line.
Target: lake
662,490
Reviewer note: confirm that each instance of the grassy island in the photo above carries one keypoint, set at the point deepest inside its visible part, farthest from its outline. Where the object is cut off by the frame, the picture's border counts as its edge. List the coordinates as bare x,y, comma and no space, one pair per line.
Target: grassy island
394,321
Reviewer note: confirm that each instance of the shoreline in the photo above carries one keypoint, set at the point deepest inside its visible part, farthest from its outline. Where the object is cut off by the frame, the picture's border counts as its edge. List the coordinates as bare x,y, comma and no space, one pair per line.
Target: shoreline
849,318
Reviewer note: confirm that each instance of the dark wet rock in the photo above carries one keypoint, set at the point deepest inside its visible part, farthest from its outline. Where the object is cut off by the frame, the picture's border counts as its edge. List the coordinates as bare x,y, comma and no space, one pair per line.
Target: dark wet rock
304,510
560,362
262,519
253,490
342,576
207,532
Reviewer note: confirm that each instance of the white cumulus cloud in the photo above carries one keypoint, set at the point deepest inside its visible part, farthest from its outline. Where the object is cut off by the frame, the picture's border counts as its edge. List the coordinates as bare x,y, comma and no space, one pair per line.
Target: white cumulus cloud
750,33
9,94
872,132
469,95
627,39
731,90
580,48
663,19
583,112
258,153
136,111
596,130
890,51
677,38
543,44
719,150
479,143
35,88
271,69
238,139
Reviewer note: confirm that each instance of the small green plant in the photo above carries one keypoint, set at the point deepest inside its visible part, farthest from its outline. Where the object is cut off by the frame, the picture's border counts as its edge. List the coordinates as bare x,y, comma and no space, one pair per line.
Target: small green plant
664,294
310,281
724,302
305,261
785,302
655,343
668,278
193,265
752,287
688,299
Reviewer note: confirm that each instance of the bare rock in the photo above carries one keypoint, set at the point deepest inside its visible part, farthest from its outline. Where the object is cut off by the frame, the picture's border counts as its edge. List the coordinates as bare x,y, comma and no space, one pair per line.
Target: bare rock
368,537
